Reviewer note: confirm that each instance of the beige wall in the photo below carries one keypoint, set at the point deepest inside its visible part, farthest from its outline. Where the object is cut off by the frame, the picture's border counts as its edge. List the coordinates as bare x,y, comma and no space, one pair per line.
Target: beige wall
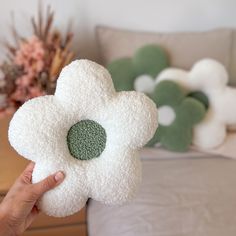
148,15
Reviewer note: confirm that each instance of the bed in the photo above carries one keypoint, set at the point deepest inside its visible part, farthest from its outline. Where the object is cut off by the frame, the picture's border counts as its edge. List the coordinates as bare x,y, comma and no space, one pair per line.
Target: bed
181,195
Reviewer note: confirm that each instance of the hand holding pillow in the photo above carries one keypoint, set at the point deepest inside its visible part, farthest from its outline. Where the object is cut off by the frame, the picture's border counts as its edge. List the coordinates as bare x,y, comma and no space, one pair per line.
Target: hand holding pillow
90,132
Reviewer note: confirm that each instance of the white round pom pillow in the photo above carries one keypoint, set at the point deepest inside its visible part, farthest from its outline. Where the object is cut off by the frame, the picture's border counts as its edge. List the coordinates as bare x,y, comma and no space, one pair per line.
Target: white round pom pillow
89,131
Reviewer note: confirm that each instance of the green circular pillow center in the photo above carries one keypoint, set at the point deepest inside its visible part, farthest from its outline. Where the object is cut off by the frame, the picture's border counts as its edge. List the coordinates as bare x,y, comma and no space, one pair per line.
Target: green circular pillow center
86,140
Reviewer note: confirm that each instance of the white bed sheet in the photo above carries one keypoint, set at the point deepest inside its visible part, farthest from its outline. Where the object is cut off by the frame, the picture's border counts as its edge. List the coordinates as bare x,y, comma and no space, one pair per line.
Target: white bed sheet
179,196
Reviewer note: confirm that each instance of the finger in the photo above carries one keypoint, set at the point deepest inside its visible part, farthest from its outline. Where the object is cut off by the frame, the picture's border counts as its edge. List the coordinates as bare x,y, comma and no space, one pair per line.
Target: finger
31,217
29,167
49,183
26,176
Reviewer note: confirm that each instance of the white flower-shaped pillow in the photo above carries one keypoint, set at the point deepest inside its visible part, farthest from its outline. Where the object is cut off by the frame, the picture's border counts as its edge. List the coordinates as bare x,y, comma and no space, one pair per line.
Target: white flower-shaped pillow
211,78
90,132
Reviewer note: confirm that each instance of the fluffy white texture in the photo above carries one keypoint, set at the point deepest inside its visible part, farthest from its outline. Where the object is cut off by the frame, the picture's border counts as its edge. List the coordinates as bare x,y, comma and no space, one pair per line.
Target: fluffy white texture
38,131
210,77
144,83
166,115
174,74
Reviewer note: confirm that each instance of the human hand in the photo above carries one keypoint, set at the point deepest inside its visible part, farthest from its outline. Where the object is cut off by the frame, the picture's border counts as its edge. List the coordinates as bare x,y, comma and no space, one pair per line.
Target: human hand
18,209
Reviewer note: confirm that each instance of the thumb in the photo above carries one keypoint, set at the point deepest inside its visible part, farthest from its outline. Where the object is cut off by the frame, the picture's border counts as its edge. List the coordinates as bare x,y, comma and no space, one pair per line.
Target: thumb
49,183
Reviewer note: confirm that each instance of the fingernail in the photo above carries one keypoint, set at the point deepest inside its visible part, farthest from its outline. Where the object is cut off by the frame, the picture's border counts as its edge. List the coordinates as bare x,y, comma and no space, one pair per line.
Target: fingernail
59,176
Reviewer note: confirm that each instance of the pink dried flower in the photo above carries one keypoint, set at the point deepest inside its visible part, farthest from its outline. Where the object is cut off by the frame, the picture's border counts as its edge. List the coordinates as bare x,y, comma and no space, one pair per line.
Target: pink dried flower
2,83
3,98
30,56
34,63
35,91
8,111
2,113
24,80
18,95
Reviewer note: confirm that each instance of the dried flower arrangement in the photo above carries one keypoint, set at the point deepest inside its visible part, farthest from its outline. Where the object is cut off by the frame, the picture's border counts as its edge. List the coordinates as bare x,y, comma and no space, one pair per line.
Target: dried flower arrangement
33,64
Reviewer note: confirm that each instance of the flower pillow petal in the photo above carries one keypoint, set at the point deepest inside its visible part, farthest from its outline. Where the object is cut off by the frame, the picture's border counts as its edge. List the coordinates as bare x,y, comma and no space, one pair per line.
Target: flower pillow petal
123,74
136,72
88,131
150,59
37,129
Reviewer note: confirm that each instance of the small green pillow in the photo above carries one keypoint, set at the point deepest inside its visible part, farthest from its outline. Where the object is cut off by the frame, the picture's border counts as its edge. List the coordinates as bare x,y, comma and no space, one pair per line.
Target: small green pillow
148,60
178,114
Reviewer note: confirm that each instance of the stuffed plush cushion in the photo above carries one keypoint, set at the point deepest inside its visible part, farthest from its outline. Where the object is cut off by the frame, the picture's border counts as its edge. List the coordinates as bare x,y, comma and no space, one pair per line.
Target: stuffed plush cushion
88,131
139,72
211,78
185,48
177,113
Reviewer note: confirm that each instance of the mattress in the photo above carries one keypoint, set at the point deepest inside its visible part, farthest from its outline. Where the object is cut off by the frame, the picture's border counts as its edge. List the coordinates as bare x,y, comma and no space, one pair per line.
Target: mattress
189,194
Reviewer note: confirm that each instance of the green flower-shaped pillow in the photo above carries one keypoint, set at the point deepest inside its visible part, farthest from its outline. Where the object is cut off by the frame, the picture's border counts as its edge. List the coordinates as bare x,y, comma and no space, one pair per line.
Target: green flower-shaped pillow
177,114
138,73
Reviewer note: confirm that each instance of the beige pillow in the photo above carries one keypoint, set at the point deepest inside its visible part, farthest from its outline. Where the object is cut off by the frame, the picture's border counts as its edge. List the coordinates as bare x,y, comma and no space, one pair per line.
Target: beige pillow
184,48
232,66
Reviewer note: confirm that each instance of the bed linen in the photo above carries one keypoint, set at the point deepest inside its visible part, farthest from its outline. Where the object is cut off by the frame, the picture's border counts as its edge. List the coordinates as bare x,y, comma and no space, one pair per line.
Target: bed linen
181,195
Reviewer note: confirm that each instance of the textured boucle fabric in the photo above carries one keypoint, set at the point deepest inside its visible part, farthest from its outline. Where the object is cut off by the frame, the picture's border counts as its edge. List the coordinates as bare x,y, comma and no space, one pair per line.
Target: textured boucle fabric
39,129
211,78
86,139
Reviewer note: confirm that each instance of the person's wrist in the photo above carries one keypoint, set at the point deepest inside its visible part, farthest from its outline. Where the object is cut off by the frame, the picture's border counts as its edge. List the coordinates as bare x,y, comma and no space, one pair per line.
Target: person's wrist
5,228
